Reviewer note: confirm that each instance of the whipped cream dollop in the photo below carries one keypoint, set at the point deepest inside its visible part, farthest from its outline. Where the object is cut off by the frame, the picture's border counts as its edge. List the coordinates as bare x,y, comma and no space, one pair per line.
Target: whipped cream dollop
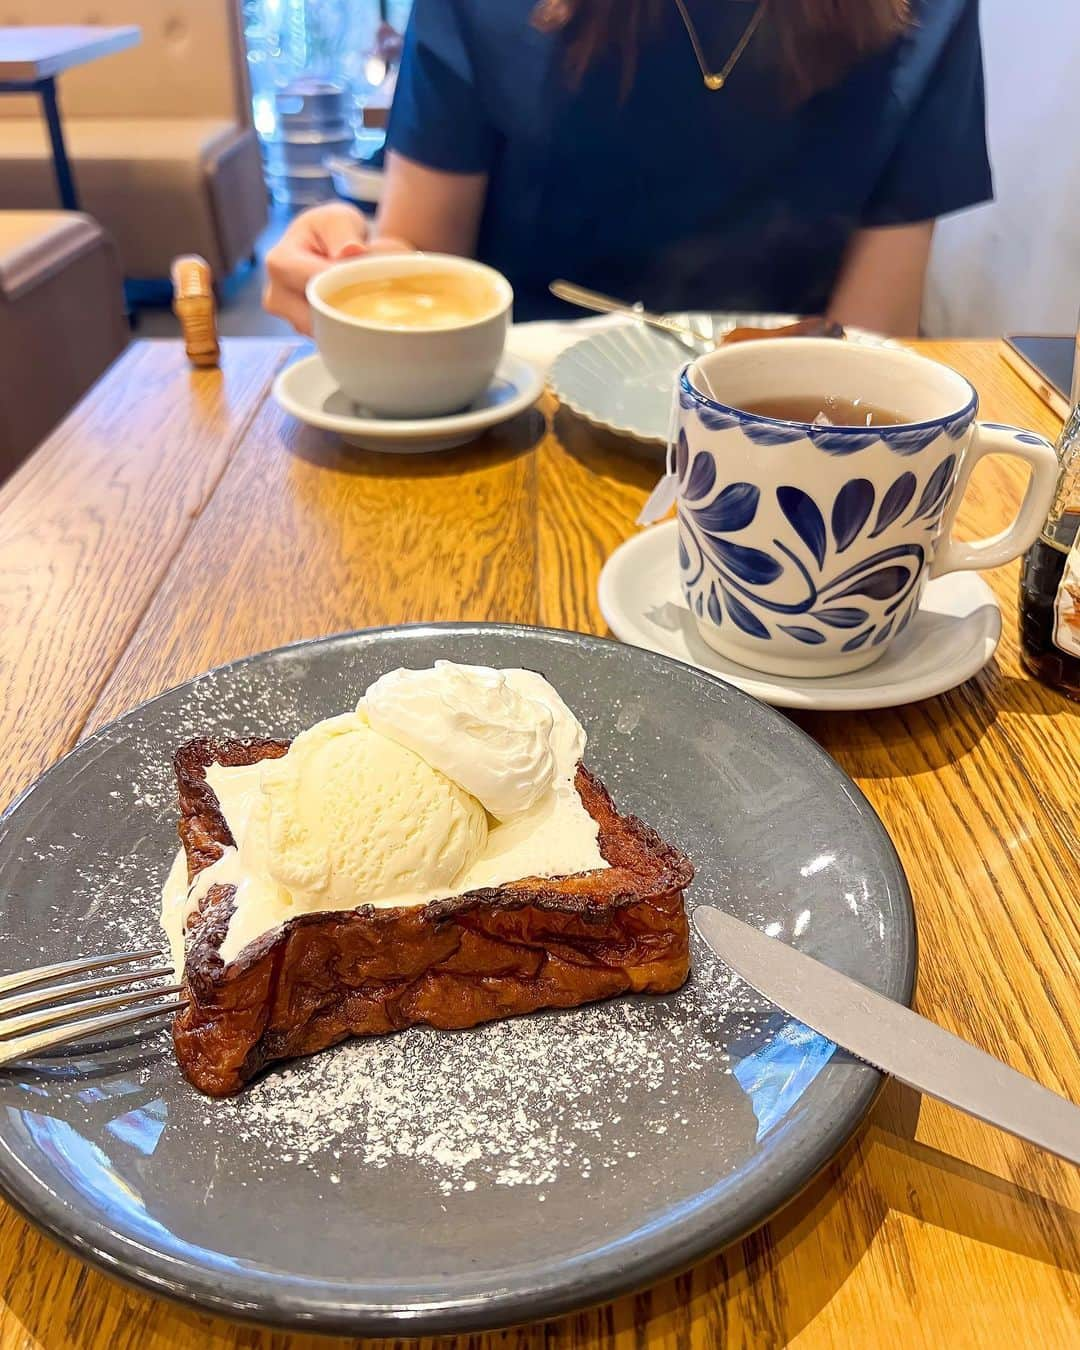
505,736
441,782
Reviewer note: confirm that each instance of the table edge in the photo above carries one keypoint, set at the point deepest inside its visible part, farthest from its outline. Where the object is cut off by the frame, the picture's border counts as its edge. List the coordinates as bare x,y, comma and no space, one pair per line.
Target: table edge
106,42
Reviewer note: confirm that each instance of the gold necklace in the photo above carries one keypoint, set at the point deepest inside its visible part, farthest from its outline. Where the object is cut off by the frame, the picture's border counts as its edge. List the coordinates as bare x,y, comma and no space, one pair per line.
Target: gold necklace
716,79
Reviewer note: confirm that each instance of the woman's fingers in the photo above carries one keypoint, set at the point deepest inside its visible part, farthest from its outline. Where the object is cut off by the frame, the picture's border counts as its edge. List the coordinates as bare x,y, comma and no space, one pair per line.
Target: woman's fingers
337,226
389,245
288,271
313,241
290,268
288,307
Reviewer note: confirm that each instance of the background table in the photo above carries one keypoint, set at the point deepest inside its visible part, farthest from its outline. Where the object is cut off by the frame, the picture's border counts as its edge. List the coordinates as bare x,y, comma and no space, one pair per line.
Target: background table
31,59
179,519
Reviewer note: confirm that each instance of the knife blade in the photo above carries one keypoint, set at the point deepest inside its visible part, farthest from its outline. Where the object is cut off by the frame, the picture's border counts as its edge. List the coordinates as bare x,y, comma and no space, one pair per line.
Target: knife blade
892,1038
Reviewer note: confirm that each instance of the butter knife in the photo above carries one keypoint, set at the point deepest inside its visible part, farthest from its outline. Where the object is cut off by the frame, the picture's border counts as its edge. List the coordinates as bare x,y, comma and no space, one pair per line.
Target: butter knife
893,1038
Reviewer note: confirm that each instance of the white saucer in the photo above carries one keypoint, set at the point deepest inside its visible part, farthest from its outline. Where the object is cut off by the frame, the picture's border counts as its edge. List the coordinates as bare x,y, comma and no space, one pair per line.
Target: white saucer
953,635
307,390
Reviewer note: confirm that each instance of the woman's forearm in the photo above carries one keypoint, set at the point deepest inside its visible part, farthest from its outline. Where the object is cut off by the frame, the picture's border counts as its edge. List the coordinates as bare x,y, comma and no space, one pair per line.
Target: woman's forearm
428,209
881,282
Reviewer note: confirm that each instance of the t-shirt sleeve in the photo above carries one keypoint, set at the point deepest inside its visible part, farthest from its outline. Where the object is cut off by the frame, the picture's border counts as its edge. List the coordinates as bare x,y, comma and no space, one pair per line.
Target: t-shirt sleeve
940,163
438,117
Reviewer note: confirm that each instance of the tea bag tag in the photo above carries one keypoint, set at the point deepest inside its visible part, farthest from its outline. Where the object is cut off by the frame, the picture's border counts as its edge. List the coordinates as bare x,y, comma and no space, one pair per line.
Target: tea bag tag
662,498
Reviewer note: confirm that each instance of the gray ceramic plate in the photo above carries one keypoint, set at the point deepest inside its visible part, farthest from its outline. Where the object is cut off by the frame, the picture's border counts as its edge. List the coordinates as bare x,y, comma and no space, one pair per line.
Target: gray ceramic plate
620,379
431,1182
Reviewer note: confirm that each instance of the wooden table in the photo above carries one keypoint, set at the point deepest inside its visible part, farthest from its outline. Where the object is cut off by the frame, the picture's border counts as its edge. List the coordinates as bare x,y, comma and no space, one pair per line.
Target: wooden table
31,59
179,519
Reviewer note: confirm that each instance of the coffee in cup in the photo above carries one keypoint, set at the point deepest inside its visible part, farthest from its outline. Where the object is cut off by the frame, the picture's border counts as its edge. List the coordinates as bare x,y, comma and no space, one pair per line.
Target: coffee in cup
410,335
417,300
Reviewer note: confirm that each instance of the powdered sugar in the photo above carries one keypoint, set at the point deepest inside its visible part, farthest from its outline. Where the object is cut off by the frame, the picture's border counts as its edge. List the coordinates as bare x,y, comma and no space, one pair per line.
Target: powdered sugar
514,1103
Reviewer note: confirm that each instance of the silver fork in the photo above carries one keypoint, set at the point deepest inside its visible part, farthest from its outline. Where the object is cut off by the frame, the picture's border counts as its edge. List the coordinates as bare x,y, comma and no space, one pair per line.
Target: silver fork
28,1024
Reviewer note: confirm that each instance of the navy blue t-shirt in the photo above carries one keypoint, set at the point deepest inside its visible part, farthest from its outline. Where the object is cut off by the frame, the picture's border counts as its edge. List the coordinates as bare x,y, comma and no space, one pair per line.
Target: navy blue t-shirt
670,193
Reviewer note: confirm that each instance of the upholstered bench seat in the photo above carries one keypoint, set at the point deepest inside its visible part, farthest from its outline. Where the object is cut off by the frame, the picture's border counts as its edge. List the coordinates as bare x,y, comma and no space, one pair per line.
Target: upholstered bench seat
160,136
61,321
161,185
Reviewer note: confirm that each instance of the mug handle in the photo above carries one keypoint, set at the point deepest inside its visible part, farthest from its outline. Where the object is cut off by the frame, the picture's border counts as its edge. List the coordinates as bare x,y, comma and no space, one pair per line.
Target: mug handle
991,438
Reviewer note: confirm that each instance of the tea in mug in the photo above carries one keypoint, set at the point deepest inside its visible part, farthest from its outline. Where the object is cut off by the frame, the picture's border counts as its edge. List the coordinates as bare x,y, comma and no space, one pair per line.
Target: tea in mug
829,410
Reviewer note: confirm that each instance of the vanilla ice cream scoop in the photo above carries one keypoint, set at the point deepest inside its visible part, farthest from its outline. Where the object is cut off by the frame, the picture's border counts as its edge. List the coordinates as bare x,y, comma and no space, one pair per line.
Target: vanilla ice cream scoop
504,735
354,817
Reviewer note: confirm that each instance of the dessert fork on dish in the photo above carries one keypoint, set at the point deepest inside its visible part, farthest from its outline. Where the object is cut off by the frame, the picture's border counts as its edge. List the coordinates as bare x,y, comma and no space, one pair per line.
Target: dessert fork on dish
39,1014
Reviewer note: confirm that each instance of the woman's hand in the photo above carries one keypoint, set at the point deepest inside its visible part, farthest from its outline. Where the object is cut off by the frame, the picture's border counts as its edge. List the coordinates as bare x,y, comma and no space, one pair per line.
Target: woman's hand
314,241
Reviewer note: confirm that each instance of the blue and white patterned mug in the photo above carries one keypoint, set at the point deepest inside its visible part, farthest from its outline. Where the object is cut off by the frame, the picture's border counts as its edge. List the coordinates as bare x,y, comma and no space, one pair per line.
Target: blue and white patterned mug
804,549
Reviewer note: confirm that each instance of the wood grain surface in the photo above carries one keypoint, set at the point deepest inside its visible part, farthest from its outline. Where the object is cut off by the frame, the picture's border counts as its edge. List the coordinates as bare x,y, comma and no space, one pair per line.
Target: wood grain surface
176,521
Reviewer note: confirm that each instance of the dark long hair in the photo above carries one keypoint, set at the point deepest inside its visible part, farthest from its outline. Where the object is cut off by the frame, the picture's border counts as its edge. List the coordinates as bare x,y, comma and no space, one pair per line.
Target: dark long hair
814,43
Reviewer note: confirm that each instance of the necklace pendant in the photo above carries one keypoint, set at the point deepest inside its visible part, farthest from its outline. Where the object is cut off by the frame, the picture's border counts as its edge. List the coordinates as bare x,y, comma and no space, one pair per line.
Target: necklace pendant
715,82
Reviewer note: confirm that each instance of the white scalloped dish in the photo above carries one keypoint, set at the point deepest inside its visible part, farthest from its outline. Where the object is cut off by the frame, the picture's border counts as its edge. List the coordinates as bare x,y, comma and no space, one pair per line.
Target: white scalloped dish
619,379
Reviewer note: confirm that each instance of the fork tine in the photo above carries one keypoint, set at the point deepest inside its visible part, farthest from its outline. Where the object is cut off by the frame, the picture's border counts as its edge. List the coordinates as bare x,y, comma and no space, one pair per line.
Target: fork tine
21,1002
21,978
34,1021
22,1047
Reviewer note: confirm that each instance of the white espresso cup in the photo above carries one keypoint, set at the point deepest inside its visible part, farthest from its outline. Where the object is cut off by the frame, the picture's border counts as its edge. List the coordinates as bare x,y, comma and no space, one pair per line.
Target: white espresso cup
398,370
804,549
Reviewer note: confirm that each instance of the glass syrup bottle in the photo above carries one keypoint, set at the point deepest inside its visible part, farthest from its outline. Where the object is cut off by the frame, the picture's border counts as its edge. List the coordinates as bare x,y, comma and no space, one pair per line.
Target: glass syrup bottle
1050,578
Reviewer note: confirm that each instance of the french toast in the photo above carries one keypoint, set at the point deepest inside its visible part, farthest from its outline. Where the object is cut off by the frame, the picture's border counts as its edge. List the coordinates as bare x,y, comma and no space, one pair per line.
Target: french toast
816,326
321,977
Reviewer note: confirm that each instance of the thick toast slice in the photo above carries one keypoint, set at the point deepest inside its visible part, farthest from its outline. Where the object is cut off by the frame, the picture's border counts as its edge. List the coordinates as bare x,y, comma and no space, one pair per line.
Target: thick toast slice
319,978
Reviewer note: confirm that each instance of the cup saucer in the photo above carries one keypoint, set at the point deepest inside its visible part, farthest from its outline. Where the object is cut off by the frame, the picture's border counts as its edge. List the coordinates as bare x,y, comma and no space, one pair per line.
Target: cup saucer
307,390
952,636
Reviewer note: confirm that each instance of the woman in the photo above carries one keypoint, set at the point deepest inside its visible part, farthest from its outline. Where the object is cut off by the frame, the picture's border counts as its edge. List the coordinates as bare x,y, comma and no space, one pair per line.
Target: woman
785,155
